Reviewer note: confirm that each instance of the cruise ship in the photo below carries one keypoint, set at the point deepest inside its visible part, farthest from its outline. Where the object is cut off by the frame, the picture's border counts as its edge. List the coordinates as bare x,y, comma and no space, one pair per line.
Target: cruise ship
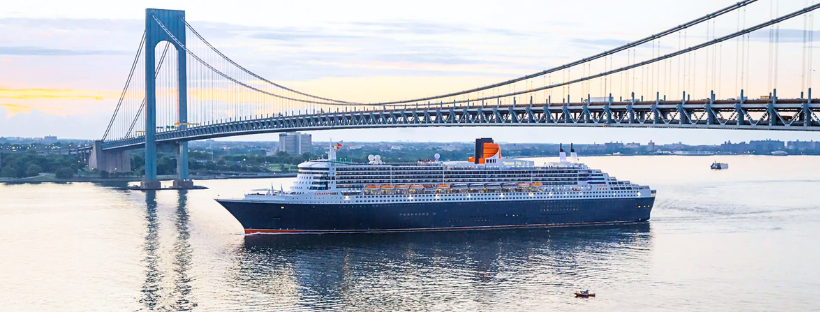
484,192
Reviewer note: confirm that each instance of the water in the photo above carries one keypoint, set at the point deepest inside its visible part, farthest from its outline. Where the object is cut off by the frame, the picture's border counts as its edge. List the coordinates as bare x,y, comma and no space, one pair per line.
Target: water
739,239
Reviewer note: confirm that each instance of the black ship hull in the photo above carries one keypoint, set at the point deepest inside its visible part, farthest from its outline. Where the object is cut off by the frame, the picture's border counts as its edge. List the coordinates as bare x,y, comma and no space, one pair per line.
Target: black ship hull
268,217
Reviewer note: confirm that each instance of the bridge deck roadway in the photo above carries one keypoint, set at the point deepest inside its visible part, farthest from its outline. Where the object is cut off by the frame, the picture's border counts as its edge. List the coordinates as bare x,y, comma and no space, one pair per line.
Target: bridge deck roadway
780,114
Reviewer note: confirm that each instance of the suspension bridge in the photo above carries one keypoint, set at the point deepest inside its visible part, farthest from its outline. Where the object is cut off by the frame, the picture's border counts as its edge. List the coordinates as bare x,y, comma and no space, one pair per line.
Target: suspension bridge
694,75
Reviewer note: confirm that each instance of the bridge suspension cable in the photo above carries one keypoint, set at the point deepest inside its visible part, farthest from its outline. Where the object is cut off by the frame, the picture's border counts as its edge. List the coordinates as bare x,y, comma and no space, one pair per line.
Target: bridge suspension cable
142,105
335,102
650,61
331,102
252,73
236,81
625,47
125,89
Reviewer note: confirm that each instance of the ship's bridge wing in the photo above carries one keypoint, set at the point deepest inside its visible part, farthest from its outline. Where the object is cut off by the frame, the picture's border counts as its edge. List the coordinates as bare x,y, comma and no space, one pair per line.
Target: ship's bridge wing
314,165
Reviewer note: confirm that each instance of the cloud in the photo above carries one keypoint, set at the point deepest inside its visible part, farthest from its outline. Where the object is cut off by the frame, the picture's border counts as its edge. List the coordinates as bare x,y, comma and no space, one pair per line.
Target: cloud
64,94
596,43
39,51
427,28
15,109
73,24
291,34
410,27
426,55
787,35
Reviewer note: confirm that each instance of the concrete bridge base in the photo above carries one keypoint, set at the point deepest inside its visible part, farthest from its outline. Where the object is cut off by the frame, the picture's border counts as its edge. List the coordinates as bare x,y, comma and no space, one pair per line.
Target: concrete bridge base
110,161
150,185
183,184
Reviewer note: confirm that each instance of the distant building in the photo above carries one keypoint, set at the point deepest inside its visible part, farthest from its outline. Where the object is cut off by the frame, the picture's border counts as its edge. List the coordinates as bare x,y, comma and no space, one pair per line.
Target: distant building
632,145
766,146
49,139
295,143
734,148
803,146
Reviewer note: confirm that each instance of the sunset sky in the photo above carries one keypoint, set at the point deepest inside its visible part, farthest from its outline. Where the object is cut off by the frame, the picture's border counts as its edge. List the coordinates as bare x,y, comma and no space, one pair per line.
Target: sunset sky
63,63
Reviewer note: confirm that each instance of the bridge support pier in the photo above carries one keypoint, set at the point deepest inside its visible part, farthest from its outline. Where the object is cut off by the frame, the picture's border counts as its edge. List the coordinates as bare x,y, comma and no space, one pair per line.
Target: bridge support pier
182,181
172,31
109,161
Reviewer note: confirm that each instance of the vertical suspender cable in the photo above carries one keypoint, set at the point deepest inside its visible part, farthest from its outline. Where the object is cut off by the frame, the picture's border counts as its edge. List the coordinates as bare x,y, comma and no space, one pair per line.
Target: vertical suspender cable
776,45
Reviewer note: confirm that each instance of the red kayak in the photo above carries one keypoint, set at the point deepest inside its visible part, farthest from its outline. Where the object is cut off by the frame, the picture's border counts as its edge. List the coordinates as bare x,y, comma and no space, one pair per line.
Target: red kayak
584,295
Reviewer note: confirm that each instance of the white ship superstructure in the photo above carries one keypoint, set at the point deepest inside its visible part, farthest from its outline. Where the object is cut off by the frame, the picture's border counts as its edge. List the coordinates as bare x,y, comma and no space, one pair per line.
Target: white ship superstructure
332,181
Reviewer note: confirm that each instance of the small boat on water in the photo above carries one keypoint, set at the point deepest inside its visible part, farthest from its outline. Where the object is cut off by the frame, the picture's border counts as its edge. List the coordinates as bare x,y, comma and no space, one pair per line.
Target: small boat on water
584,294
719,166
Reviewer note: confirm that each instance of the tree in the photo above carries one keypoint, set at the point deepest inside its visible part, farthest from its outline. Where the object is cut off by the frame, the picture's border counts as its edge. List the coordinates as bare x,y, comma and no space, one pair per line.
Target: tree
65,173
8,172
33,170
103,174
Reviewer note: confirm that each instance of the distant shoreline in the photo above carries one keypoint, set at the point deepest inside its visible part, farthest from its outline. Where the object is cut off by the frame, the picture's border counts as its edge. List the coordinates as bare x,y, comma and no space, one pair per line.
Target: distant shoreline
51,178
686,155
35,180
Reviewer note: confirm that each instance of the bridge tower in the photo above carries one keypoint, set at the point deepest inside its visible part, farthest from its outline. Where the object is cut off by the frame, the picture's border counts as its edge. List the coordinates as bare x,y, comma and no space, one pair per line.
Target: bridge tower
174,22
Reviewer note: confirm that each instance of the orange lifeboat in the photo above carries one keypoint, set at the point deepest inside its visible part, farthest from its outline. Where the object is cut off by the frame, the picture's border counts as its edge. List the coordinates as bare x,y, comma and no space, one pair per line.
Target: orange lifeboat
443,186
416,186
402,186
371,187
387,186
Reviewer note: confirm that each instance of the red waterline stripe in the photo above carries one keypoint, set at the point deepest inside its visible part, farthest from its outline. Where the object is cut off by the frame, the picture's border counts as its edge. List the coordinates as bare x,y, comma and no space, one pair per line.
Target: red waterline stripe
271,231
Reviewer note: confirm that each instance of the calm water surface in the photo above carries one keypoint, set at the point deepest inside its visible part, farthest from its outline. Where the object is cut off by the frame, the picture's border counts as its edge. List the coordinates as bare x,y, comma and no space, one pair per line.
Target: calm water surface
742,239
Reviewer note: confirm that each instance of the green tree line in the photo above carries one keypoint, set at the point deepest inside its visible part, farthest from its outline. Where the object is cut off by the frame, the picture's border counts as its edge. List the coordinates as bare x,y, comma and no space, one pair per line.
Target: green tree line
29,164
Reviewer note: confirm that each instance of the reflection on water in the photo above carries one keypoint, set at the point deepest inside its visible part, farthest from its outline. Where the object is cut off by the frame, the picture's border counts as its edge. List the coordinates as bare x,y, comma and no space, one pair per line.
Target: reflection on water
91,247
153,276
182,258
152,289
421,270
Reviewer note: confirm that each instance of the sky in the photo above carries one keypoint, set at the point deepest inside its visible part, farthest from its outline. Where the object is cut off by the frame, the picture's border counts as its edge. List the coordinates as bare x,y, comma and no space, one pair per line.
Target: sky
63,64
